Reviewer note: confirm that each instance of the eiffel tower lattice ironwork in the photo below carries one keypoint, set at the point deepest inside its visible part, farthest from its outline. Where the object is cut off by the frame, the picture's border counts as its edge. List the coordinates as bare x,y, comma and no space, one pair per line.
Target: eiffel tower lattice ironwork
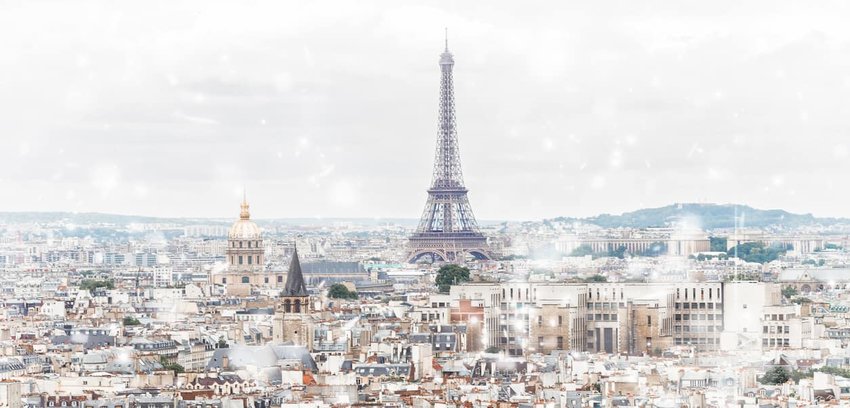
447,231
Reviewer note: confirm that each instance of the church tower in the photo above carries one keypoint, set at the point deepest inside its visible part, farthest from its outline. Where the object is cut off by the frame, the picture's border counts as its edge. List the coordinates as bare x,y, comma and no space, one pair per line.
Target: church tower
245,244
246,259
292,315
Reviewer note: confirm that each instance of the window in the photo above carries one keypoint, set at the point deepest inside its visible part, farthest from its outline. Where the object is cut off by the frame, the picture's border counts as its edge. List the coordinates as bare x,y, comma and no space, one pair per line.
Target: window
266,279
560,320
240,259
539,321
223,280
245,279
279,278
560,342
649,320
250,260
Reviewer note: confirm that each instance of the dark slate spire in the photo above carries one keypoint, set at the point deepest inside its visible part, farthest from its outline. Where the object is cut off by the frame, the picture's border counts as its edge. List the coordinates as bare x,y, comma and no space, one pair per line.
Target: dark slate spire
294,279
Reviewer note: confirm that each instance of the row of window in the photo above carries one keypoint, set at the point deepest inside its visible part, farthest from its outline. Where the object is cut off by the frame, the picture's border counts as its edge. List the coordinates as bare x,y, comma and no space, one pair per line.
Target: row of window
250,260
775,342
697,329
695,305
702,293
245,279
540,321
696,341
559,342
604,305
776,329
602,317
250,244
779,317
696,316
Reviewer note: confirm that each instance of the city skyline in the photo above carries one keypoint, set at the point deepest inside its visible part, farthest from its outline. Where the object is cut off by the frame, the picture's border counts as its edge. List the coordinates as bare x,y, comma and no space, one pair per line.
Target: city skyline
166,114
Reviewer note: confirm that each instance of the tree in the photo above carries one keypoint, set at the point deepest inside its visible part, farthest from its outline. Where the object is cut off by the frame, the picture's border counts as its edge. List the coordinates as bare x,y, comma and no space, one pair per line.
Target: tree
775,376
595,279
582,250
758,252
171,366
340,291
789,292
222,343
492,350
131,321
451,274
657,248
620,252
92,284
717,244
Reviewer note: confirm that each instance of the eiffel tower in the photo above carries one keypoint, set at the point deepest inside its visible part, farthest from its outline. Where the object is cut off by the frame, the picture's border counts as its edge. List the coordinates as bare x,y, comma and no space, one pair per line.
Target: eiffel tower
447,231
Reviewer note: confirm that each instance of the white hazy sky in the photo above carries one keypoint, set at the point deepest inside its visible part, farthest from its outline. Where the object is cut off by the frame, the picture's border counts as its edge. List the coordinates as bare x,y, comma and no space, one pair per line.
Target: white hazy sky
329,108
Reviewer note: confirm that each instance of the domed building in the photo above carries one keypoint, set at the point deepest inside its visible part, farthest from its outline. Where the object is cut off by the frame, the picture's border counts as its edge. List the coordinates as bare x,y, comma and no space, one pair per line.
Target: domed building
246,263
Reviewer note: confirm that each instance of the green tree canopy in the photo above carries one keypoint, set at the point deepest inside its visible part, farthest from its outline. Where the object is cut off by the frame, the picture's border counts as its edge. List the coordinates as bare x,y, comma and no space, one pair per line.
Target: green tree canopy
131,321
657,248
582,250
339,291
758,252
170,366
717,244
451,274
620,252
92,284
789,292
775,376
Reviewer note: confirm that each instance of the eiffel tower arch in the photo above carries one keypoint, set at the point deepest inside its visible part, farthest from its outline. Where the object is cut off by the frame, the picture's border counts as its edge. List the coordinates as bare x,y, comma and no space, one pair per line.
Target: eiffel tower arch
447,230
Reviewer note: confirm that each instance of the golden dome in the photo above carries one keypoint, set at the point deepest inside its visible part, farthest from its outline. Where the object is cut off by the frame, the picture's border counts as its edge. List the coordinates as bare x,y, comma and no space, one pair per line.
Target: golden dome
244,228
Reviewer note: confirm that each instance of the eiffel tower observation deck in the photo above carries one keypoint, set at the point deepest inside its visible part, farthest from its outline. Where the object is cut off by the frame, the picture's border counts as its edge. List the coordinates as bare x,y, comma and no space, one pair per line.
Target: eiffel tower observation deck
447,231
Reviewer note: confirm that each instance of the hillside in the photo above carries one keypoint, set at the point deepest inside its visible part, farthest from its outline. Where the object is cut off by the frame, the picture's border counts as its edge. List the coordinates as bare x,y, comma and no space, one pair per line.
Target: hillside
711,216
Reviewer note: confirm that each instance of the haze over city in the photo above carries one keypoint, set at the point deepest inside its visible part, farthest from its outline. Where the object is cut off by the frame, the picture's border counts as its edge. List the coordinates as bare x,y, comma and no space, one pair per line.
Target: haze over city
329,109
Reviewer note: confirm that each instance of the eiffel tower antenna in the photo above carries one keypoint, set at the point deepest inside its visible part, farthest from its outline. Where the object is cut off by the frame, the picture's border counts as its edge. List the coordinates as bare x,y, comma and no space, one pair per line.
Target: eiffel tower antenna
447,230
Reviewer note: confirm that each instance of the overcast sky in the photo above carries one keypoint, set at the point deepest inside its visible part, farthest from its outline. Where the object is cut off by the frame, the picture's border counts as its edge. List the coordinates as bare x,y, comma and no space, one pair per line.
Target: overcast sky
329,108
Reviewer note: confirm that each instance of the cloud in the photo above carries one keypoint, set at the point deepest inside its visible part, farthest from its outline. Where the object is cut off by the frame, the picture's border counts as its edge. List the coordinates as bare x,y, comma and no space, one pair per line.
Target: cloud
163,113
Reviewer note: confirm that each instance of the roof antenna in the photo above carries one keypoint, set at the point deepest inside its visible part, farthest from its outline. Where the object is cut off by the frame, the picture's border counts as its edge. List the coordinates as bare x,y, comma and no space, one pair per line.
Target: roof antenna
447,39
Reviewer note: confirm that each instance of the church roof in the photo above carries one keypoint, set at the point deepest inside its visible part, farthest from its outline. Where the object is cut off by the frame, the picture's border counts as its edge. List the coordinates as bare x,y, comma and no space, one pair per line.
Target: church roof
244,228
294,278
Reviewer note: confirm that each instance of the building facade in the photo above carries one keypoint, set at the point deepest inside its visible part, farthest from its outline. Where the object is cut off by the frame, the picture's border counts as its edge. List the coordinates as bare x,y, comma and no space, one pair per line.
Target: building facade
628,318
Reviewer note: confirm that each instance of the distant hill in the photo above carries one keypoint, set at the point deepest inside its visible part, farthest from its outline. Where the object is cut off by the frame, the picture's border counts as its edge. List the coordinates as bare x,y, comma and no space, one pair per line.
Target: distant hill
91,218
710,216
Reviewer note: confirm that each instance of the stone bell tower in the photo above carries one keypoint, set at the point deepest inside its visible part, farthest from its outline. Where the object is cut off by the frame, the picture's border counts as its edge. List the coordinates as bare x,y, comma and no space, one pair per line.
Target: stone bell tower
292,321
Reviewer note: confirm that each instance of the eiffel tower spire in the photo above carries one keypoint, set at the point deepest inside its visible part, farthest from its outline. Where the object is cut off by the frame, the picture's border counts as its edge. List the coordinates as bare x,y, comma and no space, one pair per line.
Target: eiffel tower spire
447,230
